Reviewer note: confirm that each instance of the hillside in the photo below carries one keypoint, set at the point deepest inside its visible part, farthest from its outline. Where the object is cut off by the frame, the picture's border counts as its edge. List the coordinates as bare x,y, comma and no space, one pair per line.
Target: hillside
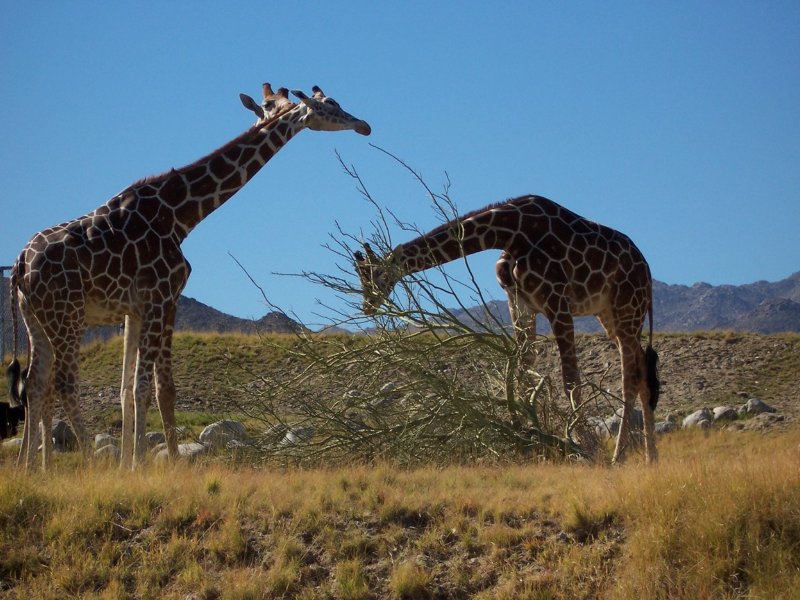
218,374
761,307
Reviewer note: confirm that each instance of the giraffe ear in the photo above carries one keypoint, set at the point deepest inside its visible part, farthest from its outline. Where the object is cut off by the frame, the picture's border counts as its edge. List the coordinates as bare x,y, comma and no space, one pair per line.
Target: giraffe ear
370,254
251,104
283,93
300,94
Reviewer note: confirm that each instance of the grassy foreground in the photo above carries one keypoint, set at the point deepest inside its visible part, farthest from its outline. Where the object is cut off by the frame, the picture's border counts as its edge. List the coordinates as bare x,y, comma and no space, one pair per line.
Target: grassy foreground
719,517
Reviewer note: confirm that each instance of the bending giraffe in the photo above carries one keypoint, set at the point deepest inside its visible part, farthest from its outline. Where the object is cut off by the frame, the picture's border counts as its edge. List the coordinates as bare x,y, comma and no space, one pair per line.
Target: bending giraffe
124,261
553,262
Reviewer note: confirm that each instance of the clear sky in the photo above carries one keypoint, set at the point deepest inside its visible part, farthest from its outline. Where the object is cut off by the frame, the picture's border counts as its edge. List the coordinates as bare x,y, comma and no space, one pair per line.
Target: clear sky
675,122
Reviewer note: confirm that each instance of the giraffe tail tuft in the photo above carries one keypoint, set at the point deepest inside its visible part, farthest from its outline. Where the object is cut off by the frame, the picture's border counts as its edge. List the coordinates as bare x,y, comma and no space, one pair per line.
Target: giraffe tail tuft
653,384
13,373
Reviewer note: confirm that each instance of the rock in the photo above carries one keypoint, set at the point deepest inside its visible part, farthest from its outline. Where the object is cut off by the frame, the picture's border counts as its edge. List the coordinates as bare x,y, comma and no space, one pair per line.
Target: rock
725,413
236,445
220,433
665,427
697,417
297,435
108,451
388,388
637,419
608,427
63,436
102,440
154,438
13,443
191,451
754,406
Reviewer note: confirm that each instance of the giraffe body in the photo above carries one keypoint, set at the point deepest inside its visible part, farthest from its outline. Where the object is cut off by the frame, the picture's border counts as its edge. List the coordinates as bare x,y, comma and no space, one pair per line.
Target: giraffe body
554,262
123,261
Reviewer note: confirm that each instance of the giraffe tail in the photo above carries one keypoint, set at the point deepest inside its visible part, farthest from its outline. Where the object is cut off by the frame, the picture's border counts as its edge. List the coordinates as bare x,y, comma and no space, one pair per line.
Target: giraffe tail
13,372
651,364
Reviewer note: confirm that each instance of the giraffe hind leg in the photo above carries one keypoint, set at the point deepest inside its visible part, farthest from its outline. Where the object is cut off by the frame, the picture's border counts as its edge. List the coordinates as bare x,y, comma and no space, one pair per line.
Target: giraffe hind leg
67,386
38,386
634,382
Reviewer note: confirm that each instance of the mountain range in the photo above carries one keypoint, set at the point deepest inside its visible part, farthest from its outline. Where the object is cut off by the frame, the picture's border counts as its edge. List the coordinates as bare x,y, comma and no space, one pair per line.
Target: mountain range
760,307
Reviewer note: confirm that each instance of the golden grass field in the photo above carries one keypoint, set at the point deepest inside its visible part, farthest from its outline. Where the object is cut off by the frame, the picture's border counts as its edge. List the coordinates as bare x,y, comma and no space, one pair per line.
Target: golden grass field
718,517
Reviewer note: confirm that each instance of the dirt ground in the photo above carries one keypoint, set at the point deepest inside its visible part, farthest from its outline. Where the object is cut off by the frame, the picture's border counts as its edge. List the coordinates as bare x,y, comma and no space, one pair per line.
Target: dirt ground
704,370
696,371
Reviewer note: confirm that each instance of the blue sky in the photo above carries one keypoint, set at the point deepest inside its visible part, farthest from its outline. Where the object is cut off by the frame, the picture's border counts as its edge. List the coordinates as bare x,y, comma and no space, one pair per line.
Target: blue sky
674,122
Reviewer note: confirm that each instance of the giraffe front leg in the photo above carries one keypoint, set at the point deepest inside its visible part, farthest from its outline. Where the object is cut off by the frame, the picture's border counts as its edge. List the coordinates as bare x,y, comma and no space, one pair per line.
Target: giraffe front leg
165,385
148,350
126,395
524,322
564,332
632,361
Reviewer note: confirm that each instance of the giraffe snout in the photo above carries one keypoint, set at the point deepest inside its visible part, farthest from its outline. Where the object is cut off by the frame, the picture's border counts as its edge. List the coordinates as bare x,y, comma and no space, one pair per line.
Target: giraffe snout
363,128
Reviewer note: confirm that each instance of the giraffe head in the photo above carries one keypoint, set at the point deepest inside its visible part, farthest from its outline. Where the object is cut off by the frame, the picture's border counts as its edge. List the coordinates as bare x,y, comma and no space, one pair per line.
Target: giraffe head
376,280
272,104
323,113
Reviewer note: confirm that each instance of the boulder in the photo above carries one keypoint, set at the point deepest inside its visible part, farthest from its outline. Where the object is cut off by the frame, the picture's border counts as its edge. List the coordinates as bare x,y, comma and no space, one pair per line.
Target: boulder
218,434
108,451
297,436
154,438
665,427
637,419
725,413
191,451
63,437
697,418
754,406
102,440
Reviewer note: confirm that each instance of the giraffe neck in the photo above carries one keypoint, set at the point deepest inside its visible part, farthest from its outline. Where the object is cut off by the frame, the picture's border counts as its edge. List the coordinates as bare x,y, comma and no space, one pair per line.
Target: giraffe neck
178,200
485,229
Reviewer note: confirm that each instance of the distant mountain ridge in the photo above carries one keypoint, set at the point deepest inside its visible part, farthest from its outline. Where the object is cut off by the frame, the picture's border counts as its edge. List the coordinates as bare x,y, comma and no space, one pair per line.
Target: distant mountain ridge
192,315
760,307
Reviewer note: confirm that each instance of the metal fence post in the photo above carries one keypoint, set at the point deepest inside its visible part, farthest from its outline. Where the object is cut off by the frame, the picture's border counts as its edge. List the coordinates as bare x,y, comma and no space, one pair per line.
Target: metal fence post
3,314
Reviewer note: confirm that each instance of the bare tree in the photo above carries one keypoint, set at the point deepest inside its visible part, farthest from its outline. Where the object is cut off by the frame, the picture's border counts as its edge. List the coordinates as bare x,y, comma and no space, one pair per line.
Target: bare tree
434,376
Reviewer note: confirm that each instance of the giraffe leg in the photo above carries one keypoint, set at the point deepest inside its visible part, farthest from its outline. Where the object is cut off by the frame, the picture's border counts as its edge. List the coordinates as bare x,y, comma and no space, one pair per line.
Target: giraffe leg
47,431
131,338
67,387
165,385
564,332
148,338
38,385
155,343
523,320
651,454
633,378
524,323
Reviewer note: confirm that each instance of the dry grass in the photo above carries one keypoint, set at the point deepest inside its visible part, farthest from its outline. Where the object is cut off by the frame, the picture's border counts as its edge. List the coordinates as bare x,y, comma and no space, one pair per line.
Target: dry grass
719,517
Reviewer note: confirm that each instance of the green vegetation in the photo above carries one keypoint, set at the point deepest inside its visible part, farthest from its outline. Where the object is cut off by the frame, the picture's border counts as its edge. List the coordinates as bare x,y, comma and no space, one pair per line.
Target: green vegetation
718,517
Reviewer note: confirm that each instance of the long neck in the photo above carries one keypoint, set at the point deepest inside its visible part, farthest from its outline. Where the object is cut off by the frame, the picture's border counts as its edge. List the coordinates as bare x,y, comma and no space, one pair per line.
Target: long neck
178,200
483,230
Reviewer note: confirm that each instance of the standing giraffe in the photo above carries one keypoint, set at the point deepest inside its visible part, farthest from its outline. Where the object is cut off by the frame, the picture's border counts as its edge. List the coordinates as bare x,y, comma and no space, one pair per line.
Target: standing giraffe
554,262
124,261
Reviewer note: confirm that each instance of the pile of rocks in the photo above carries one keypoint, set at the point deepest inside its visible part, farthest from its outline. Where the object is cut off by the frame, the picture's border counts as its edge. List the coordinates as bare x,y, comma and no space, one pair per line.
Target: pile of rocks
753,414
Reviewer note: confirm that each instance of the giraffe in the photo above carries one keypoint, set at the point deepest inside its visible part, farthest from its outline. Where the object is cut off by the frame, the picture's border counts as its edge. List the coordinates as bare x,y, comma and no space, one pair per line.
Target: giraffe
555,262
124,261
